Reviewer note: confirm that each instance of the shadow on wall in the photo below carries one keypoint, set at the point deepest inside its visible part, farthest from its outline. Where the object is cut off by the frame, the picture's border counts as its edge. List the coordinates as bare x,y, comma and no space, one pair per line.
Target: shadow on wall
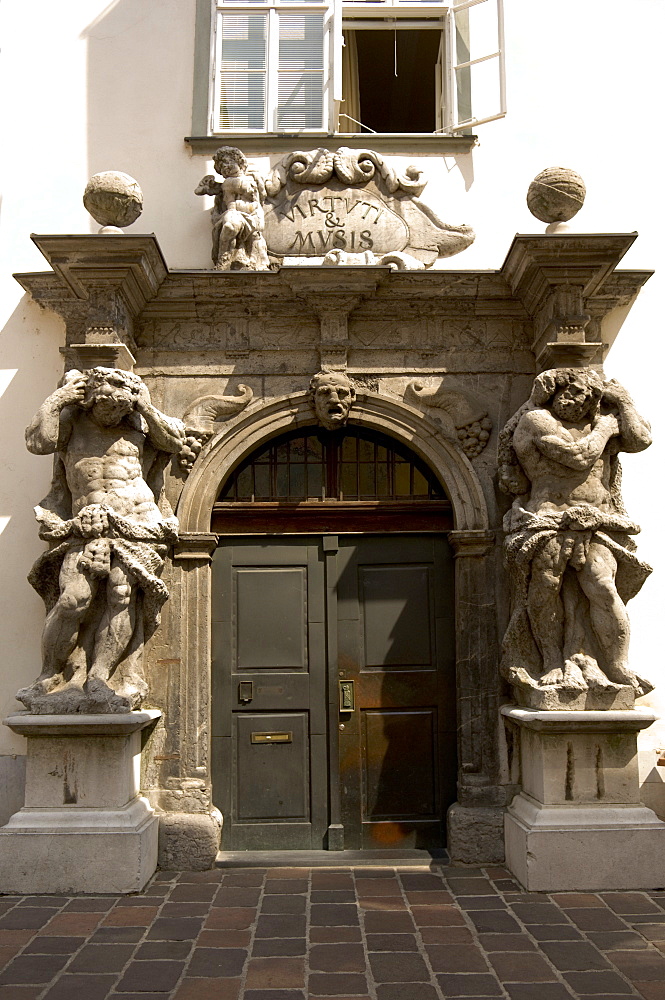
140,70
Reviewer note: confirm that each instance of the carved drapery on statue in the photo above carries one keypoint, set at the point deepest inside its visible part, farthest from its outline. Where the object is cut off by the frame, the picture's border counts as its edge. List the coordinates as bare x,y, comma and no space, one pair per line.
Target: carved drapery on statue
109,529
568,546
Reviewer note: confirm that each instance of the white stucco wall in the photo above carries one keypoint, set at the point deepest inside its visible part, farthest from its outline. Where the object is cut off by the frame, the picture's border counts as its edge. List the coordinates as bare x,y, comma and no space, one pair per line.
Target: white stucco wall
94,85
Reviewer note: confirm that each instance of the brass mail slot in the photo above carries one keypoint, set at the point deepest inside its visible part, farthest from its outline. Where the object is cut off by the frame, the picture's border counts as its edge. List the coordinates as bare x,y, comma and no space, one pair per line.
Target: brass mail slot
272,737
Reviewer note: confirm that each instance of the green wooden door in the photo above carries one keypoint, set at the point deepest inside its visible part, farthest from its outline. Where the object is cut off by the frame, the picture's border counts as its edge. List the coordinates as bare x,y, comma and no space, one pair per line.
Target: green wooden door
269,700
278,725
396,645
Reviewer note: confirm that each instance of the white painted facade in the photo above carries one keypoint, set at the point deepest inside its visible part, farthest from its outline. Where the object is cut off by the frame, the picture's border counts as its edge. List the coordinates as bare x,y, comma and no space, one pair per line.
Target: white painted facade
94,86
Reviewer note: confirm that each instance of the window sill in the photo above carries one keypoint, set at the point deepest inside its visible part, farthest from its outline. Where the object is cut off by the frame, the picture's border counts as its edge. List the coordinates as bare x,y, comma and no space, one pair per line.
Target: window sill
404,143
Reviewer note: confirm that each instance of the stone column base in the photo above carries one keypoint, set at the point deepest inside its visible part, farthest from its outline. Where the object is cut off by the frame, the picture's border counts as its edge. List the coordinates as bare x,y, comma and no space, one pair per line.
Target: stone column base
578,822
475,834
83,828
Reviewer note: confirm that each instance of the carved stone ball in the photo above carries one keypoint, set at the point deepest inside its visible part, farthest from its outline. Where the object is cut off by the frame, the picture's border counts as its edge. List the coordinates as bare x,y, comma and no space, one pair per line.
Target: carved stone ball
113,198
556,195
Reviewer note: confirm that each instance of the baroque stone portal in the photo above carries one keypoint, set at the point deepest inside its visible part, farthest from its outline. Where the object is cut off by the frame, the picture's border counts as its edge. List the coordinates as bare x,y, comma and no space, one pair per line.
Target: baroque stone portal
568,544
109,528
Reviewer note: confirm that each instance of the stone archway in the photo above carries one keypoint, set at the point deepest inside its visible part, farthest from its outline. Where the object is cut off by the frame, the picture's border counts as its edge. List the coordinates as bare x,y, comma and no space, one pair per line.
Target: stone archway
476,651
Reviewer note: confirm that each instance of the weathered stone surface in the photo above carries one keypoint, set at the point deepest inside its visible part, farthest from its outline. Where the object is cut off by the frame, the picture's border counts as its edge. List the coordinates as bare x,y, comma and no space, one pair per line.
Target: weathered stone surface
475,834
114,199
109,529
189,840
568,546
556,195
333,395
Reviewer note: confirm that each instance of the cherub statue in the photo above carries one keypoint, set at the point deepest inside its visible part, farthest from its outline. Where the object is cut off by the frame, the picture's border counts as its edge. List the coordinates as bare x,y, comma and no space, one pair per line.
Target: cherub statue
237,214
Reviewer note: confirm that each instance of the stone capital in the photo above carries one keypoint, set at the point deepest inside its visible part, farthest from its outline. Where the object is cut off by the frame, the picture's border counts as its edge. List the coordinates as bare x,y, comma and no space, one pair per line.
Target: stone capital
471,543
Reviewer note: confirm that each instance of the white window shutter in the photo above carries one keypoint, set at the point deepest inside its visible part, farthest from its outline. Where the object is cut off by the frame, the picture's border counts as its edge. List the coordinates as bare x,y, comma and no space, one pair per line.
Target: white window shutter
335,43
475,73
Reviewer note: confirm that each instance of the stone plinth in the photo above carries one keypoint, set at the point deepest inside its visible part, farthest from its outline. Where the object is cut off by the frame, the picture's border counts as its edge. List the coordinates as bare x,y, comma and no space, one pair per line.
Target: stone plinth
84,827
578,822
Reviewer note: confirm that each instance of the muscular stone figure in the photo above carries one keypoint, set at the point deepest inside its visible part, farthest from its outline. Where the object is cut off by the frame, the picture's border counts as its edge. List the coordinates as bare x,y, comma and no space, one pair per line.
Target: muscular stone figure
568,539
109,529
237,214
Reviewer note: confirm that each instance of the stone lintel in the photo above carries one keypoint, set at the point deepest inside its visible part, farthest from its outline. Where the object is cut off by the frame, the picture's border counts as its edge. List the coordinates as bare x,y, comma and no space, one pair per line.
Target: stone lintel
26,724
628,720
84,356
567,354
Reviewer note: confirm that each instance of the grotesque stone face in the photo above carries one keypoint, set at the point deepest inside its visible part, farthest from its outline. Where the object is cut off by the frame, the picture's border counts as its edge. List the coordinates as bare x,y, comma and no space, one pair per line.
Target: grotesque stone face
573,401
333,395
111,394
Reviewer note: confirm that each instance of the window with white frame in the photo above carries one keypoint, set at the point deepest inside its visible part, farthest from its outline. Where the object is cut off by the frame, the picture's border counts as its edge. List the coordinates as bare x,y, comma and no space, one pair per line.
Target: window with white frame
349,66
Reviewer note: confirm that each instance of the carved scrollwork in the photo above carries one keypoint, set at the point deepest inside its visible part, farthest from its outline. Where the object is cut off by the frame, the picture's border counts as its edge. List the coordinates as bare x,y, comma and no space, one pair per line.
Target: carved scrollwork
464,419
351,166
200,419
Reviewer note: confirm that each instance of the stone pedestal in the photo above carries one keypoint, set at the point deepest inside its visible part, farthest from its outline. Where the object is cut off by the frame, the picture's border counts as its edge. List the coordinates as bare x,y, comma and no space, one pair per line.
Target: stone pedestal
84,827
578,822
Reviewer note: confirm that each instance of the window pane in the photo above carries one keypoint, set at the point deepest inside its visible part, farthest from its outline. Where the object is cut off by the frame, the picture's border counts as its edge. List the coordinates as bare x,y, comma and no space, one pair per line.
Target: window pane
300,96
245,484
367,489
402,479
348,481
314,482
244,41
262,482
243,76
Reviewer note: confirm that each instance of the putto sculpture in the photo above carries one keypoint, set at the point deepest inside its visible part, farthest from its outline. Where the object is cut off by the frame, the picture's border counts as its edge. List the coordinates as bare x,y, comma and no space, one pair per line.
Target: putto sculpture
332,394
568,542
237,214
109,528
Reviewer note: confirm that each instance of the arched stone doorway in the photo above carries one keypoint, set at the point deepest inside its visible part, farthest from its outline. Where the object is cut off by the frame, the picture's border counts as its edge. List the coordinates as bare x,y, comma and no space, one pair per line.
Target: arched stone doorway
466,531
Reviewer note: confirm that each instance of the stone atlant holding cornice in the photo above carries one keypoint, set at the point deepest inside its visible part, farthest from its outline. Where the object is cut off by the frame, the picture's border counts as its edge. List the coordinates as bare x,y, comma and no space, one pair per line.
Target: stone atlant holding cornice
332,394
237,214
568,543
109,529
351,207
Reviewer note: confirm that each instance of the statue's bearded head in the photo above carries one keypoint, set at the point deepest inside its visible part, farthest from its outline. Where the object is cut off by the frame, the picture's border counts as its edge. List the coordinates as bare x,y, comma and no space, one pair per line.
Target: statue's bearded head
571,393
111,394
333,395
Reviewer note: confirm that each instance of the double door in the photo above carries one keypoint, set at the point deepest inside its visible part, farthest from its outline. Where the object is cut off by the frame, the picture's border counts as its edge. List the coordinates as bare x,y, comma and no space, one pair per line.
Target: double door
333,691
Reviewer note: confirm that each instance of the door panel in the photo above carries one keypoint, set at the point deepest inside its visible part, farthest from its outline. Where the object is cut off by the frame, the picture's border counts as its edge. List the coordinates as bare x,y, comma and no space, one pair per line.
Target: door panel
395,640
269,712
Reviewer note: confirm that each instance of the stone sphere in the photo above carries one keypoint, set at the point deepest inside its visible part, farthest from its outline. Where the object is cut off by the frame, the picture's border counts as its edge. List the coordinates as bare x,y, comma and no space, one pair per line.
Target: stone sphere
113,198
556,195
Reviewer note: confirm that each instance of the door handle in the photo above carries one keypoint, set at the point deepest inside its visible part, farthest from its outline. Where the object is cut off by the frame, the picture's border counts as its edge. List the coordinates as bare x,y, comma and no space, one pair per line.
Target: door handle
245,691
347,696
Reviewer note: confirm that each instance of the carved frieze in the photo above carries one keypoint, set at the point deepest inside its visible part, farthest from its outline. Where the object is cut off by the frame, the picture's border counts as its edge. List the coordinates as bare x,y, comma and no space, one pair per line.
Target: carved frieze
463,418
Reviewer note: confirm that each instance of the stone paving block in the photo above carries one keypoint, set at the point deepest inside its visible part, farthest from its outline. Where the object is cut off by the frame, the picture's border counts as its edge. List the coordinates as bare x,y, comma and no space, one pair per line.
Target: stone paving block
230,918
211,962
273,995
377,887
421,882
428,897
127,916
429,916
184,910
332,880
471,887
417,991
651,932
150,976
81,987
280,925
267,947
538,991
33,969
361,872
254,877
555,932
212,875
644,966
236,896
574,956
272,873
283,904
481,903
595,919
275,973
629,902
94,904
175,929
116,935
201,989
382,903
331,935
102,958
572,899
332,896
617,940
20,992
151,950
400,968
599,983
286,885
506,942
495,922
516,967
53,945
651,991
16,936
386,922
26,918
446,935
334,914
469,986
391,942
539,913
337,958
456,958
335,984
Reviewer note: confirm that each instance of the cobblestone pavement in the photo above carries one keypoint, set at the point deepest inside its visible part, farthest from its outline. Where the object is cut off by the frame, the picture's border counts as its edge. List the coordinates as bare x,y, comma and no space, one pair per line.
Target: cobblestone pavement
361,933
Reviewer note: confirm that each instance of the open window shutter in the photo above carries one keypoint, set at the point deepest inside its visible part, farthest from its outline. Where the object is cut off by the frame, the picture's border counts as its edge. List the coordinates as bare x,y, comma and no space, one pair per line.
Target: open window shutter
241,84
475,75
335,43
